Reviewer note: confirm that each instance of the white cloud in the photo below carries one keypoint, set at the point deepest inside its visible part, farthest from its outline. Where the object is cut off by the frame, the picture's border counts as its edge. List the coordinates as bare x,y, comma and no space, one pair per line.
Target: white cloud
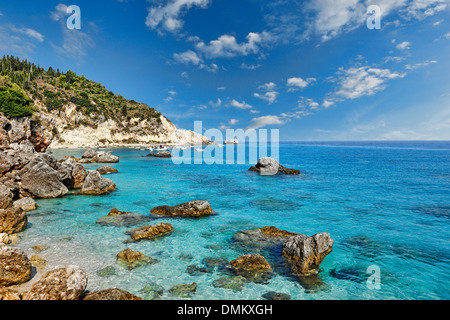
218,103
299,83
357,82
226,46
188,57
167,16
233,122
264,121
327,103
210,68
29,32
405,45
222,88
419,65
270,95
240,105
185,75
250,67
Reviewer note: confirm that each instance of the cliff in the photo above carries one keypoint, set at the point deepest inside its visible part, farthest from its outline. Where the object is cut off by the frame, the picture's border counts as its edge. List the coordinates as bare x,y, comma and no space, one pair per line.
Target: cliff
70,111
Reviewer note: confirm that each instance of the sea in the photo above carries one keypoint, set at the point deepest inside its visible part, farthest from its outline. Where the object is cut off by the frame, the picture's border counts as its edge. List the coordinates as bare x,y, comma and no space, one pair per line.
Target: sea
385,204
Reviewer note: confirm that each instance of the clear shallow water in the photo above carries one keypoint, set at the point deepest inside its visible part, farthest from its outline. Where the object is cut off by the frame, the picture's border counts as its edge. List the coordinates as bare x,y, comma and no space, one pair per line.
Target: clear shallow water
386,204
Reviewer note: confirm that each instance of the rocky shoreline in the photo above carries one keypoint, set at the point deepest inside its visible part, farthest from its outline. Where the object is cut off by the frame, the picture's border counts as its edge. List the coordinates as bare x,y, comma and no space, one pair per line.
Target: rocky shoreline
28,172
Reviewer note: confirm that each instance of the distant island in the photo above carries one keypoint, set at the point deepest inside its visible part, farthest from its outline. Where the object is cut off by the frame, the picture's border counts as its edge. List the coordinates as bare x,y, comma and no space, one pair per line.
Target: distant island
77,113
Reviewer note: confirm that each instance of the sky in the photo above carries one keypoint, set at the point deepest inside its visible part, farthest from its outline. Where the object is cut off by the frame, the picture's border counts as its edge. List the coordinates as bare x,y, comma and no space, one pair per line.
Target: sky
312,69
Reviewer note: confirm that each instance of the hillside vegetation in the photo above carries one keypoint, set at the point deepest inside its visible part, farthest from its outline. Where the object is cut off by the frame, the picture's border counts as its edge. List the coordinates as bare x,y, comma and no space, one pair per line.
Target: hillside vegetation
22,82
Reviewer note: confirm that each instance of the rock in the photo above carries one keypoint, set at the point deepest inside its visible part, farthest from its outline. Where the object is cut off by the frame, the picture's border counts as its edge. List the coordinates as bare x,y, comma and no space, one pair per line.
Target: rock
215,262
107,272
4,238
111,294
27,204
89,154
116,212
196,208
40,248
60,284
152,291
195,270
15,268
263,237
12,220
251,262
6,196
184,290
307,253
253,267
95,184
107,170
123,220
105,157
134,259
6,162
40,180
162,154
38,262
270,166
79,173
9,294
272,295
152,232
231,283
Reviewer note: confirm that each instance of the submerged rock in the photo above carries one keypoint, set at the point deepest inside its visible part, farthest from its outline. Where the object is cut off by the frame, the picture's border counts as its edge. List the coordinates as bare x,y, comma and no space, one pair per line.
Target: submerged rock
60,284
152,232
38,262
195,270
95,184
272,295
107,272
253,267
118,218
15,268
196,208
307,253
27,204
232,283
184,290
107,170
152,291
40,248
263,237
270,166
111,294
134,259
12,220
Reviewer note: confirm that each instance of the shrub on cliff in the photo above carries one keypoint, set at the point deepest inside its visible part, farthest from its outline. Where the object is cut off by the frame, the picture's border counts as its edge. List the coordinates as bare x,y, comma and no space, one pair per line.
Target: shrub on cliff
14,102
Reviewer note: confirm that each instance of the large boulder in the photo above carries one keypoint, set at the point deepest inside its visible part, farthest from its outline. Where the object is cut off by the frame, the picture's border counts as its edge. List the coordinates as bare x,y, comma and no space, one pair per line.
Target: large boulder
307,253
12,220
9,294
95,184
60,284
6,196
105,157
152,232
111,294
89,154
26,204
196,208
251,262
269,166
40,180
79,173
15,268
162,154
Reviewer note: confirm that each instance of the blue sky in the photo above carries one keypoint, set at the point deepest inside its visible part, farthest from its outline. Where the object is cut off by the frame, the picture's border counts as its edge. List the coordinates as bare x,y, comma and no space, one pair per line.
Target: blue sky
311,69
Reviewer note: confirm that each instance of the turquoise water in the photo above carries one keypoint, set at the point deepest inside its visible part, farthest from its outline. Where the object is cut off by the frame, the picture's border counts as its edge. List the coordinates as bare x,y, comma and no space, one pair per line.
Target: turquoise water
384,204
